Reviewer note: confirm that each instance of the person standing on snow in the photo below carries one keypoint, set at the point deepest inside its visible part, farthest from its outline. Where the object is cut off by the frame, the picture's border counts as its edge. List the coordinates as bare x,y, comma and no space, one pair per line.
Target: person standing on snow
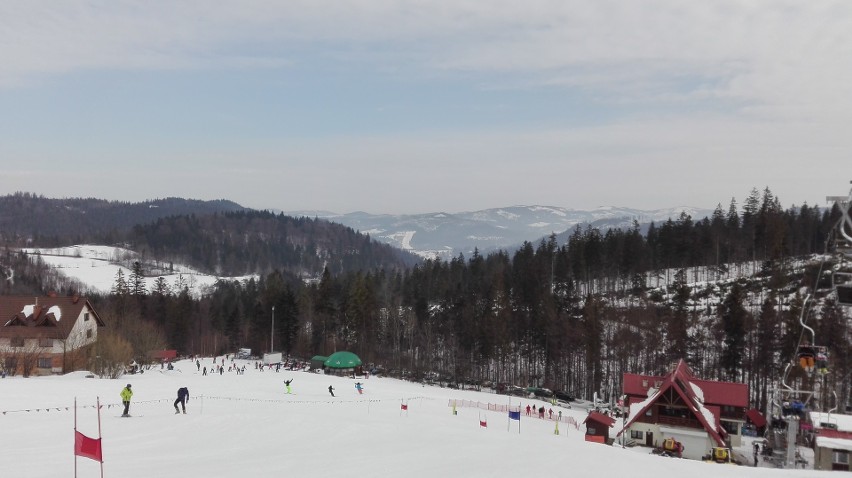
126,393
331,390
182,398
359,388
287,384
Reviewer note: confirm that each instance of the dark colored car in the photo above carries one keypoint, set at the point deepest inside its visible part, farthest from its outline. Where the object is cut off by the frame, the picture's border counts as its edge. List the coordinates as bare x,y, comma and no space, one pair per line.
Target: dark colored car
563,395
542,392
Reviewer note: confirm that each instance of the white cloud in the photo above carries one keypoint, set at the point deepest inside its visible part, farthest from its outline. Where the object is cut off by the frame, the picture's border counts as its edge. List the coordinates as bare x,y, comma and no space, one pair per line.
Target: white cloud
752,89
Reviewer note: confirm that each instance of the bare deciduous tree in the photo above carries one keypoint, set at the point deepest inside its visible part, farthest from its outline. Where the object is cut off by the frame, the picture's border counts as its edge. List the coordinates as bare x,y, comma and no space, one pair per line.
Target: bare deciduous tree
110,355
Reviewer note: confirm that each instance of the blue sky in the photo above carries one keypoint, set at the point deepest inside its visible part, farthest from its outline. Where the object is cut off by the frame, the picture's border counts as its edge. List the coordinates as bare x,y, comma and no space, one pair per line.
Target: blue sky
412,106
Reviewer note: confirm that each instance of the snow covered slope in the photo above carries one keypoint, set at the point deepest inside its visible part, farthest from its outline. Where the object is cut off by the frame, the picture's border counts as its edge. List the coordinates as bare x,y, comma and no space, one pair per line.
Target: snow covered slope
246,426
97,267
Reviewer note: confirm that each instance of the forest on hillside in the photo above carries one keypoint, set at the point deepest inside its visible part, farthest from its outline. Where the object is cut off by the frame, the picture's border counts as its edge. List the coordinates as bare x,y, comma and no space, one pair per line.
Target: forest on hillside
572,316
32,220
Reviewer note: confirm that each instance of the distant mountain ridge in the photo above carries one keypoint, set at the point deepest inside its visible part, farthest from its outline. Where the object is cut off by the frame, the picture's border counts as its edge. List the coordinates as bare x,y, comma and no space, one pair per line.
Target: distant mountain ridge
448,234
25,217
213,237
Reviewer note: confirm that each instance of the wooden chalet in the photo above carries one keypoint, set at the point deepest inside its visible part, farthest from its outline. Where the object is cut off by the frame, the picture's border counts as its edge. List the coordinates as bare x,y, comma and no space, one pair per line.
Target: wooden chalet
45,335
597,427
700,414
832,441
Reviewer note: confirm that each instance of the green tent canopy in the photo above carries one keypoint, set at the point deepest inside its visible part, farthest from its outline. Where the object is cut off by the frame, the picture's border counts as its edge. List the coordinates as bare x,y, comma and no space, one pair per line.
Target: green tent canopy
317,361
343,360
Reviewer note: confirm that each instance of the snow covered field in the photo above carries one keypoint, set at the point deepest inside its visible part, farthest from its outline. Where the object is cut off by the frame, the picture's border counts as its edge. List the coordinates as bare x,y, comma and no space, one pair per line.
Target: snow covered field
246,426
97,267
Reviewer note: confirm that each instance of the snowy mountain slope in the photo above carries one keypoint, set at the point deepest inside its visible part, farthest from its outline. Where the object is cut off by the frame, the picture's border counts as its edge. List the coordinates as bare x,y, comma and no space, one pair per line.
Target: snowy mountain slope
448,234
246,426
97,267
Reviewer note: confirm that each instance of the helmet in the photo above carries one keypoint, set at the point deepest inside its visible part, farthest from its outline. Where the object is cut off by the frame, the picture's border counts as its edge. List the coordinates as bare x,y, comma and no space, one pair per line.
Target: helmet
128,385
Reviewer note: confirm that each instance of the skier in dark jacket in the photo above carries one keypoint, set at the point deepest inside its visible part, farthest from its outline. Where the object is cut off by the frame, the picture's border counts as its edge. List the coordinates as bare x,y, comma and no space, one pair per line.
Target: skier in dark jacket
331,390
182,398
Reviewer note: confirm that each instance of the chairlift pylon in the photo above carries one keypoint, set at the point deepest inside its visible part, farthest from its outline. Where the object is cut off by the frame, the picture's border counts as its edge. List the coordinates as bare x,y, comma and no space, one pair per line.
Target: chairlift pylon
841,280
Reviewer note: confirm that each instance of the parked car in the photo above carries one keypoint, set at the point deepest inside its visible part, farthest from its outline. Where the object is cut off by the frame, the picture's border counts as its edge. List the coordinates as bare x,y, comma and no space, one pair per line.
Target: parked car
518,391
563,395
541,392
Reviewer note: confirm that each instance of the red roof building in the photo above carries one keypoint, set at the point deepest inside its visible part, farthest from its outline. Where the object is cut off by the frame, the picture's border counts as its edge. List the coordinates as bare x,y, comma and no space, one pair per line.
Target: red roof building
44,335
832,441
597,427
698,413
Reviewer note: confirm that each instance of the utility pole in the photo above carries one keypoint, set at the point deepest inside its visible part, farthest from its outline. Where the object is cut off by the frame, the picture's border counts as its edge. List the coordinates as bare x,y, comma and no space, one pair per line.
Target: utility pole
272,334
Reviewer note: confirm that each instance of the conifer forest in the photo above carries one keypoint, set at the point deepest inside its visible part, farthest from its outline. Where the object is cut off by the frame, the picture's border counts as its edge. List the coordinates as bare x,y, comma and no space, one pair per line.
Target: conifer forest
725,292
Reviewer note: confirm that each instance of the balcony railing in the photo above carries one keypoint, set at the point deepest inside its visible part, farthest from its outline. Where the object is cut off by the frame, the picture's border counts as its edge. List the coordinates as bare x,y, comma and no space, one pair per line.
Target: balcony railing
678,422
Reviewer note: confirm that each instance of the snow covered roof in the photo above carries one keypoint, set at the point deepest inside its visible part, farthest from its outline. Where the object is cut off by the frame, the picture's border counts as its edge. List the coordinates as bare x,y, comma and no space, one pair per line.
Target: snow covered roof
681,382
843,422
40,317
834,443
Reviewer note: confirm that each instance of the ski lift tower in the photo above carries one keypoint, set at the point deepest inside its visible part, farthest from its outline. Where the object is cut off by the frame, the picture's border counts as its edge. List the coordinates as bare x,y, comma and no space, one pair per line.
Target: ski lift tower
841,277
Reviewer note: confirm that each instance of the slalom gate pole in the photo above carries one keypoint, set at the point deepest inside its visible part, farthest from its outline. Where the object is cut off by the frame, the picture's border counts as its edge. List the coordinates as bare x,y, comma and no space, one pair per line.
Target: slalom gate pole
508,416
75,437
100,437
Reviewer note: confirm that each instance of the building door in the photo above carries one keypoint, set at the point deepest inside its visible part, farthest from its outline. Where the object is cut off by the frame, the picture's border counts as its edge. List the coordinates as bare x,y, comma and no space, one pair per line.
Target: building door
649,439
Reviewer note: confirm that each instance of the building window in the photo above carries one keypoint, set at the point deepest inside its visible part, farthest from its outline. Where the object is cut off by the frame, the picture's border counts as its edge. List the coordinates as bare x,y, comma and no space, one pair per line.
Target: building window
11,364
86,316
840,457
590,431
45,363
637,434
89,333
45,342
17,341
649,413
731,427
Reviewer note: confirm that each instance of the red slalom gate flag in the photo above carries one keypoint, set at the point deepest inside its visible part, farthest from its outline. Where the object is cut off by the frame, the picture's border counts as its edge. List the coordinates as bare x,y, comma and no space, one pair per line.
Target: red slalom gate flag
483,423
404,406
87,447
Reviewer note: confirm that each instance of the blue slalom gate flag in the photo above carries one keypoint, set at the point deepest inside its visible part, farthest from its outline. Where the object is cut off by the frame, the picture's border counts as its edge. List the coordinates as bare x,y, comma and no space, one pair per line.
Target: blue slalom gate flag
515,415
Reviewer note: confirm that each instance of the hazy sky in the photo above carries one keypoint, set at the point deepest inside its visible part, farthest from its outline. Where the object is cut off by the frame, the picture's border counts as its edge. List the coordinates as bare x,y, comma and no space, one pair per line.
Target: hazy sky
419,106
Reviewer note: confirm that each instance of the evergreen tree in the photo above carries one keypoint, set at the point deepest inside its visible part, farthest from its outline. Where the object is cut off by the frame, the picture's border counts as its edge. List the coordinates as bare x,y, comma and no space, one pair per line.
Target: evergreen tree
678,335
161,287
733,317
119,287
137,280
766,356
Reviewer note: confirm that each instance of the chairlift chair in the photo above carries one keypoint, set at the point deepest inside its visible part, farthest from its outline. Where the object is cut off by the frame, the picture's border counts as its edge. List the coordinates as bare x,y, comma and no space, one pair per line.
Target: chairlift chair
807,357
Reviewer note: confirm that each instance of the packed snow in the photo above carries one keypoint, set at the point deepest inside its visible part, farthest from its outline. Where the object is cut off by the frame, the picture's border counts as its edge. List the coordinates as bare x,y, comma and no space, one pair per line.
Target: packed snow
247,426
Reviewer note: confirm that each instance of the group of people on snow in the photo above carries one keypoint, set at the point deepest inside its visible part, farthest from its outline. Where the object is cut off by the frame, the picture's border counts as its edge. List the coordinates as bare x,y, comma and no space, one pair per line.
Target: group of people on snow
127,393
